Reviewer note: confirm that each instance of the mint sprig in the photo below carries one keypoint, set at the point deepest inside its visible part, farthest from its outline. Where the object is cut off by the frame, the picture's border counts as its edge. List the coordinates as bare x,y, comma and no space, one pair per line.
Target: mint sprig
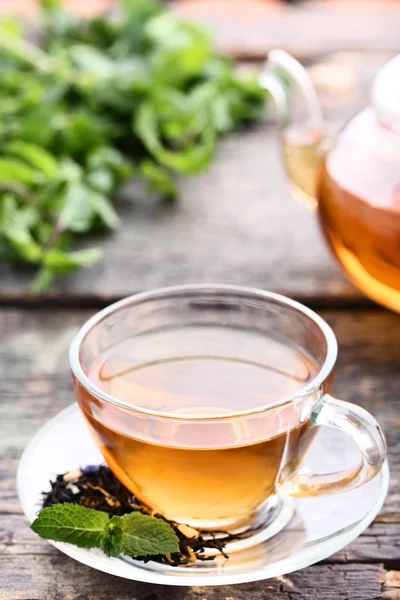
145,536
98,100
133,534
72,524
111,542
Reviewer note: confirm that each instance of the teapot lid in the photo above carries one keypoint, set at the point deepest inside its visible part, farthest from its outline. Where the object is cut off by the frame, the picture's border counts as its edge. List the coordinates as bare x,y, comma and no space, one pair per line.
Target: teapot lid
386,94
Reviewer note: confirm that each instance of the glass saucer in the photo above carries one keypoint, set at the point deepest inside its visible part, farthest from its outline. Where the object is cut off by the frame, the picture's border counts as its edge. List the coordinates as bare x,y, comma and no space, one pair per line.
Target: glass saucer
318,528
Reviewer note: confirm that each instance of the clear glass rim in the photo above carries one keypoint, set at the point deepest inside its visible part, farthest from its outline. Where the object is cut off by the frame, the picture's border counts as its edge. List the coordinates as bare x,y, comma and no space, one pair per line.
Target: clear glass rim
165,292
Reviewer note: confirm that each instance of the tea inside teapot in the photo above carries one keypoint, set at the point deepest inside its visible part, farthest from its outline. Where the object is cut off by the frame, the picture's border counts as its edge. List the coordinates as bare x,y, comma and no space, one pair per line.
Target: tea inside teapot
358,193
355,182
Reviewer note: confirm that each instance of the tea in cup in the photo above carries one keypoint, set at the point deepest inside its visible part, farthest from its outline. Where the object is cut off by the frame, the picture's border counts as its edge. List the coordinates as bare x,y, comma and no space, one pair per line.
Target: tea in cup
204,401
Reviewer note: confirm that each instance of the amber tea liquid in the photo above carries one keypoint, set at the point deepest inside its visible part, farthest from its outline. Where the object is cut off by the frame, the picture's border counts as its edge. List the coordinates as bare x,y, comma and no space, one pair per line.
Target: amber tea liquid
357,190
190,473
359,207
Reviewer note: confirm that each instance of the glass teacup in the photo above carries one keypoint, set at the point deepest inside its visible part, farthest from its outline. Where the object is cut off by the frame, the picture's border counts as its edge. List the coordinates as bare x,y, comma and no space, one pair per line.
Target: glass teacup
205,399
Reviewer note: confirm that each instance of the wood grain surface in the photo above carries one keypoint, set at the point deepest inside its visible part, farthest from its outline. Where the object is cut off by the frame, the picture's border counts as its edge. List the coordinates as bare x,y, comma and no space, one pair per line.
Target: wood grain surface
252,27
249,28
36,385
306,29
236,223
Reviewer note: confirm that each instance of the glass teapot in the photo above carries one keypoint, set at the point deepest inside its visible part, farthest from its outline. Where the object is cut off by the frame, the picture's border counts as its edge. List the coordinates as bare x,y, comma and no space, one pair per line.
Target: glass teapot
353,180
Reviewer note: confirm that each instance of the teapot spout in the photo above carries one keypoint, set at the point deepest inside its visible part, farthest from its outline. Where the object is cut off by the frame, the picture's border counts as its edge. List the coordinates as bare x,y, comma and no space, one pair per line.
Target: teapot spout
299,115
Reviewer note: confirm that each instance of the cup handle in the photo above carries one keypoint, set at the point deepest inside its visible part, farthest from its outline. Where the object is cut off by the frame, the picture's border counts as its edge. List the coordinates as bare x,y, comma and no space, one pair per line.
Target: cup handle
361,426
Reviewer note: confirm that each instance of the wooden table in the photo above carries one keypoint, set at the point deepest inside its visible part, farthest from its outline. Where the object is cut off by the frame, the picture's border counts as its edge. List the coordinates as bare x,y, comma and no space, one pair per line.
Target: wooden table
234,224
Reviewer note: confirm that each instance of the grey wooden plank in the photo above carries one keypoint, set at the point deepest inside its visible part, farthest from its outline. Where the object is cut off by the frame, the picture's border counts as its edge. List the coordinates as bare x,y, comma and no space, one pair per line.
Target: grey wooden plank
252,27
236,223
55,577
350,582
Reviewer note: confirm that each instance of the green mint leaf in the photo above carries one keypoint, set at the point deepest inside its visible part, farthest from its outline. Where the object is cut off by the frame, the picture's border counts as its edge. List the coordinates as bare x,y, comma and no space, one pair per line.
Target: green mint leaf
72,524
111,542
12,25
13,170
34,155
181,50
102,207
14,227
25,51
145,536
120,166
93,60
67,105
43,280
61,262
190,159
50,4
76,213
158,179
101,179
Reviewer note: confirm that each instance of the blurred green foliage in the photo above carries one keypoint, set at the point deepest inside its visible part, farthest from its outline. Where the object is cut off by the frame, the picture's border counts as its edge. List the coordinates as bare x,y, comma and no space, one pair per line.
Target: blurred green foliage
135,93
